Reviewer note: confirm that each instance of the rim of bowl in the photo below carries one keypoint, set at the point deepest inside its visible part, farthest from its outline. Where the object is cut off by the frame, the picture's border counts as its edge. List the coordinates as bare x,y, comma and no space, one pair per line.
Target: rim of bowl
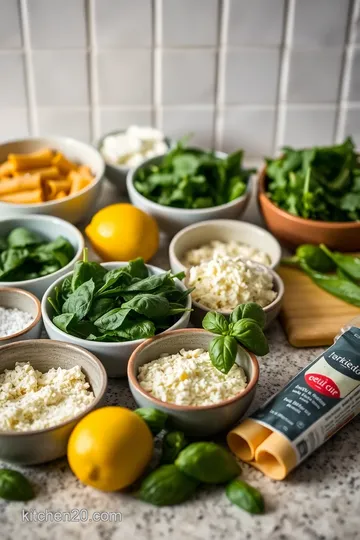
132,377
123,168
203,224
10,290
300,220
130,177
48,204
276,281
89,408
59,221
83,342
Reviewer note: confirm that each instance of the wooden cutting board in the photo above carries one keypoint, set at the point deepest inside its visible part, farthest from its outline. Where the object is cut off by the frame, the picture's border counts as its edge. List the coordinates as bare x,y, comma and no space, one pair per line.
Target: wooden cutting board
310,316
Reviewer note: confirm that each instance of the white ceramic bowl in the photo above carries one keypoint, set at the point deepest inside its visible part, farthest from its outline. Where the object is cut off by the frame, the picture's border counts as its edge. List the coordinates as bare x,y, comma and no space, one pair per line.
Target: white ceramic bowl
206,419
171,219
114,356
50,228
224,230
74,208
25,301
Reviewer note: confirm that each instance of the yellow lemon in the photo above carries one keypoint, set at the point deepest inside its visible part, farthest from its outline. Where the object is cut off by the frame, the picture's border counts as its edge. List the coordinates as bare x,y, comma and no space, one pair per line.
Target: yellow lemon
110,448
122,232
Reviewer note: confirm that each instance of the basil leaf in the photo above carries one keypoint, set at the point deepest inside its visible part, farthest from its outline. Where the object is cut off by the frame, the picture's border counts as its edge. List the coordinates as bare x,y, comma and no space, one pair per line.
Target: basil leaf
250,335
150,305
216,323
79,302
64,320
112,320
14,486
154,418
249,311
245,496
222,352
21,237
173,443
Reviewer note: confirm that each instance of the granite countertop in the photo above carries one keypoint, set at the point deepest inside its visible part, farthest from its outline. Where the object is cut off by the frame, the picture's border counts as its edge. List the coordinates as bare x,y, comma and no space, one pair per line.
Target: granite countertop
318,501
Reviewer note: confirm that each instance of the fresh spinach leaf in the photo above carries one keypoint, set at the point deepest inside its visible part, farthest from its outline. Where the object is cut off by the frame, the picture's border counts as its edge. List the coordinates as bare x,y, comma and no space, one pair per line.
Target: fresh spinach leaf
112,320
99,307
137,268
22,237
150,305
64,320
79,302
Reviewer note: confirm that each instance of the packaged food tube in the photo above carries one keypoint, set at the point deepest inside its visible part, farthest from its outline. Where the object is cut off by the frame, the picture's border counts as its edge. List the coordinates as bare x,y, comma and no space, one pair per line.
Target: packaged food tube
35,160
20,183
23,197
311,408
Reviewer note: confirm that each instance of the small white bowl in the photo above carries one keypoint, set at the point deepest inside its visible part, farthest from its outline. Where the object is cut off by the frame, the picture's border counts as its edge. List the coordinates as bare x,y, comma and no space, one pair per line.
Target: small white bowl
74,208
25,301
50,228
171,219
223,230
114,356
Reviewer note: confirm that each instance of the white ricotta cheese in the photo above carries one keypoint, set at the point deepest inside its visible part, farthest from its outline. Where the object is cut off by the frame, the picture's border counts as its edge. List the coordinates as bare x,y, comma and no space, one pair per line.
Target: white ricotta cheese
189,378
223,284
31,400
232,249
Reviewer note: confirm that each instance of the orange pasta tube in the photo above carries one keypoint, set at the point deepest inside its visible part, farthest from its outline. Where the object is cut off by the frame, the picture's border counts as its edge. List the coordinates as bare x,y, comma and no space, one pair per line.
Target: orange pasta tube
85,172
23,197
78,182
61,195
63,164
6,169
53,187
35,160
20,183
47,172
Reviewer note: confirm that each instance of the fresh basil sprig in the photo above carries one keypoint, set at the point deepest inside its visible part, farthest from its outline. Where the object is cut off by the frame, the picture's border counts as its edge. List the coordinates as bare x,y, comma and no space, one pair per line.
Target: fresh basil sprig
244,327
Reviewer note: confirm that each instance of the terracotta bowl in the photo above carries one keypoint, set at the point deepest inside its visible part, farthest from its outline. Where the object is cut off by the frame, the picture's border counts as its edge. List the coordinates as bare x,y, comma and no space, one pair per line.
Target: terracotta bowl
293,231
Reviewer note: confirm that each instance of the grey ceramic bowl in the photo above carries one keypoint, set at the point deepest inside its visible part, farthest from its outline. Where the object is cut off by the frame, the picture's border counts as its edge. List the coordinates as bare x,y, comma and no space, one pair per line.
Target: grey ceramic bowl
203,420
17,298
171,219
40,446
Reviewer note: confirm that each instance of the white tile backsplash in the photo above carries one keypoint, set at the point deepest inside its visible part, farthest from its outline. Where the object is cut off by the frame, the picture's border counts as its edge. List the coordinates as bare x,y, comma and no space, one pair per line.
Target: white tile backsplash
114,119
200,122
256,22
354,83
12,85
307,127
74,123
352,124
123,23
125,77
190,23
57,24
13,124
188,77
252,76
249,128
10,34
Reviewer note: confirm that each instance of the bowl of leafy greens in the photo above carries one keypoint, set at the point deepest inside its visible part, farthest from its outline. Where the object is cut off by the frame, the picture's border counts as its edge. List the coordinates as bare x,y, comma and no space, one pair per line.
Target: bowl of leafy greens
110,308
37,250
312,195
188,185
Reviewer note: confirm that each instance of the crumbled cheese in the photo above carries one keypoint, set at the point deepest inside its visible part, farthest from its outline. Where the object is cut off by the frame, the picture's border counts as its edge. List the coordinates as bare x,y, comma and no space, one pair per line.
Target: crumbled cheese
223,284
13,320
189,378
232,249
32,400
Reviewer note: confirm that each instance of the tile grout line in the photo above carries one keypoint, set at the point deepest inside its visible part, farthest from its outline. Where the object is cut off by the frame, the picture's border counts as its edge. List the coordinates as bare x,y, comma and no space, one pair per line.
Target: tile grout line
157,63
339,125
280,118
224,12
29,69
93,73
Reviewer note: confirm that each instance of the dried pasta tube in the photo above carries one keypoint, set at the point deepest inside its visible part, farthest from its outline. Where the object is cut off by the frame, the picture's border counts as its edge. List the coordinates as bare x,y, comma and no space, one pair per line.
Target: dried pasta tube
78,182
23,197
6,169
63,164
61,195
47,172
20,183
53,187
245,439
35,160
85,172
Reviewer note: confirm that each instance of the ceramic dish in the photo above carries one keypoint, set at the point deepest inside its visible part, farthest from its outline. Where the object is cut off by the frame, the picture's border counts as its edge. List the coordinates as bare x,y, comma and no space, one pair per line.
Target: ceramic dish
114,356
50,228
74,208
39,446
224,230
293,230
171,219
25,301
203,420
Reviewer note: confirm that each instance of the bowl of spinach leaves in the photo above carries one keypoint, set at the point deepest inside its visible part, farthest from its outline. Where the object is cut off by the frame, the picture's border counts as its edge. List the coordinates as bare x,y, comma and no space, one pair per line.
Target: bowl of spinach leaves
110,308
188,185
37,250
312,195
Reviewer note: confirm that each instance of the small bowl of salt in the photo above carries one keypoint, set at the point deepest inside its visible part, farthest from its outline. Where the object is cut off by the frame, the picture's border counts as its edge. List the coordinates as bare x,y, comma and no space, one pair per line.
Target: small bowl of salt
20,315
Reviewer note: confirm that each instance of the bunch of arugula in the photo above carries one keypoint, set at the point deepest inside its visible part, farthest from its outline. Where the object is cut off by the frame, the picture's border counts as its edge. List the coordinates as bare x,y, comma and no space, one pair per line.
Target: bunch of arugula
26,255
190,178
123,304
244,327
320,183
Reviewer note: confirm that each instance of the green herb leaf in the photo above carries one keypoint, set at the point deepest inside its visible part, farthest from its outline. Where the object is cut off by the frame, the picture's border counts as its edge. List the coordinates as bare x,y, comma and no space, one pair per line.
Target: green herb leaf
222,352
245,496
79,302
150,305
172,444
14,486
112,320
154,418
250,310
216,323
167,486
64,321
250,335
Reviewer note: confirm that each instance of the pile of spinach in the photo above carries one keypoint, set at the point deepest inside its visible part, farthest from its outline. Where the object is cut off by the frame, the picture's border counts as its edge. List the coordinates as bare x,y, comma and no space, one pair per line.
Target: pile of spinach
26,255
190,178
320,183
337,273
123,304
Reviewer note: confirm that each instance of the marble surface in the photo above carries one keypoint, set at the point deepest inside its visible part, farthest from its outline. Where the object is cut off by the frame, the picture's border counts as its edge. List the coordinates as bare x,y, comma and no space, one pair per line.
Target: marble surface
319,500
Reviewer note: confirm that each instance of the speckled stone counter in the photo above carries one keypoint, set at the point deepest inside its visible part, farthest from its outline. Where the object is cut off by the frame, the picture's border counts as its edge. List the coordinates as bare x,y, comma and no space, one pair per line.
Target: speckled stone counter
319,500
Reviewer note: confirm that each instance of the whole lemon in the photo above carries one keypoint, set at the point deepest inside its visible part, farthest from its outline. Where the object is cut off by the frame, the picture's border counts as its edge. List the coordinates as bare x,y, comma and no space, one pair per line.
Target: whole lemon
110,448
122,232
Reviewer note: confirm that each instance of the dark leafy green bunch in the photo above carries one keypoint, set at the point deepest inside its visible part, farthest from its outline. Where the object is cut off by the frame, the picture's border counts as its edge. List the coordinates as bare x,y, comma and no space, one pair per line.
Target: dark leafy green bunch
244,327
25,255
321,183
123,304
189,178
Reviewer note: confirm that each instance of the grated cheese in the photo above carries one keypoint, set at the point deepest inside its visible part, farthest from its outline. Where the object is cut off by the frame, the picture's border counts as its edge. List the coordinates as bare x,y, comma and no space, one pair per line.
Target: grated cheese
232,249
